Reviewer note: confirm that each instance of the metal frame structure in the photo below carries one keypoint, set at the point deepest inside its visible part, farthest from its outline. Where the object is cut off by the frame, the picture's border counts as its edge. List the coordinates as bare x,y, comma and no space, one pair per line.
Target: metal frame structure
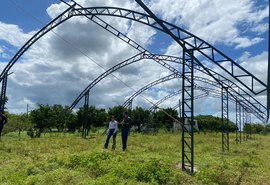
191,45
244,123
225,118
253,107
238,122
3,92
93,14
167,78
248,121
86,125
188,112
211,93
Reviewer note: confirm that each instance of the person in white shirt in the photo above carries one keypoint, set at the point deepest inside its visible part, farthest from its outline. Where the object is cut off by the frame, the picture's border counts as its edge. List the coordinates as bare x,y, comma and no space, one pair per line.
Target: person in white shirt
112,131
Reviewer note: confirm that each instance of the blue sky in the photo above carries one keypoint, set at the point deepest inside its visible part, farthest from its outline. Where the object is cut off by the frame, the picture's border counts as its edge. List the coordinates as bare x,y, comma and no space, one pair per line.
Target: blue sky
53,71
23,13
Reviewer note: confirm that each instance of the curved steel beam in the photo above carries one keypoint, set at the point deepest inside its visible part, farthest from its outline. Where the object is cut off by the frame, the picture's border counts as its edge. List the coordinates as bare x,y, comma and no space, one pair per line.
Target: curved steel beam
235,91
55,22
210,93
213,95
134,59
160,59
185,39
161,80
167,78
174,94
106,73
220,79
198,44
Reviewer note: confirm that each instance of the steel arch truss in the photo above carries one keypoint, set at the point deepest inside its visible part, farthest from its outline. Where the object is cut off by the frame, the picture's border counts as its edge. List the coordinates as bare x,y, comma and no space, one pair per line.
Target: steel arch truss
192,46
210,93
255,108
225,118
183,36
167,78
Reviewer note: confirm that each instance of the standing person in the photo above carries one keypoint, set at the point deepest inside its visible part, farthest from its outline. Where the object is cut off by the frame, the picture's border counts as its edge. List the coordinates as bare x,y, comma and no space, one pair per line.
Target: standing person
125,130
112,131
3,121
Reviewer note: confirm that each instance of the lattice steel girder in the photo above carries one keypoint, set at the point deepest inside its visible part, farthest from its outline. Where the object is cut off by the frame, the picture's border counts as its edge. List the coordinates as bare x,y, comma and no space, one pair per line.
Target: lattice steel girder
238,121
159,58
161,80
85,112
167,78
133,17
106,73
233,88
72,11
205,94
225,119
183,38
55,22
215,94
188,113
244,123
249,128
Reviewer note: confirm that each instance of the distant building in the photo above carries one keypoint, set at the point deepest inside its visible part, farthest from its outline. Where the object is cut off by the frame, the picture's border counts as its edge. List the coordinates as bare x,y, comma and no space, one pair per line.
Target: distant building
177,126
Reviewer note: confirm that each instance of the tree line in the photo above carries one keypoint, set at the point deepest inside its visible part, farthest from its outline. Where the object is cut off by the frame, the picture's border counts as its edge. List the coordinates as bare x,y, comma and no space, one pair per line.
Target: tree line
60,118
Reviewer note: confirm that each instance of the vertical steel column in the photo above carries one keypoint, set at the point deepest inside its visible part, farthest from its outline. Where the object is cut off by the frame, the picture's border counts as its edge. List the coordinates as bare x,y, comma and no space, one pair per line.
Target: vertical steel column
244,123
187,112
225,119
180,109
3,92
129,106
240,126
248,121
85,120
238,122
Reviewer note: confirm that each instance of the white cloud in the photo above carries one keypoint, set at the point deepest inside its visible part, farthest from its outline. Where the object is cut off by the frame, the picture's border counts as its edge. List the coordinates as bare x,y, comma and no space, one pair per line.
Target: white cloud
256,64
216,21
245,42
13,34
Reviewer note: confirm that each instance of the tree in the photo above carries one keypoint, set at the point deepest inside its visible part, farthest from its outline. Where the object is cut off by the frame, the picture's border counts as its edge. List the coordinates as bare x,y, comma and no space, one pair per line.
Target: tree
52,117
95,117
101,117
165,118
267,128
61,117
17,123
41,118
140,117
117,111
257,128
213,123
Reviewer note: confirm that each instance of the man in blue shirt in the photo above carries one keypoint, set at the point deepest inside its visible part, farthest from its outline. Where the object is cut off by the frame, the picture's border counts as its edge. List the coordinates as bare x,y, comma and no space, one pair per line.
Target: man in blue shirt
112,131
125,130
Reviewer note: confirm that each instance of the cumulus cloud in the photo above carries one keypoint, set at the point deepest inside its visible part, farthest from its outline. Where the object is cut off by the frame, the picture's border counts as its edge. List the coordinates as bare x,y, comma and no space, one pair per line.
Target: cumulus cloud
219,21
13,34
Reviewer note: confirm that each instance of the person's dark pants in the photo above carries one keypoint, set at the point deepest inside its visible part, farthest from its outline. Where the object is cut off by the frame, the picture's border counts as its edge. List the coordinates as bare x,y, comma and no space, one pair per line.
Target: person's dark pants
109,135
1,128
124,138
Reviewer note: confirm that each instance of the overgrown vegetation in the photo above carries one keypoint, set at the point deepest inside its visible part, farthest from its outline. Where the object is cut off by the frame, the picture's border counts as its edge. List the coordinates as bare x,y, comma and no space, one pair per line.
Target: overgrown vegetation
60,158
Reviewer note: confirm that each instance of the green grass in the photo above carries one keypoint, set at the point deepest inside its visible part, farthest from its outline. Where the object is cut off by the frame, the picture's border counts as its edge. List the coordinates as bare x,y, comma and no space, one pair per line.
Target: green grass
69,159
